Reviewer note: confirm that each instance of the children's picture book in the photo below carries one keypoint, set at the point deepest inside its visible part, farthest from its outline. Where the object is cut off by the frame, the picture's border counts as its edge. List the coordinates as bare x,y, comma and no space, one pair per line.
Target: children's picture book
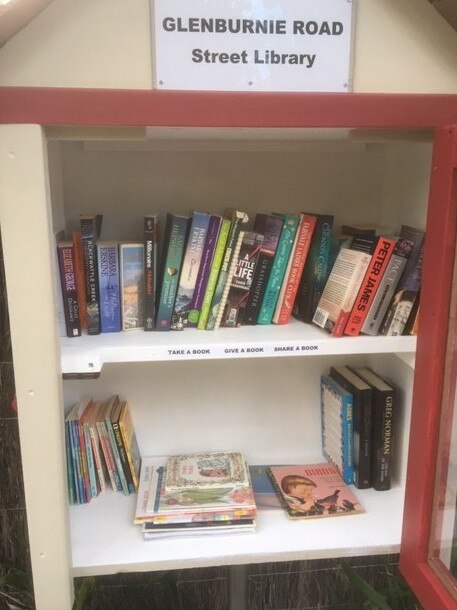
206,471
313,490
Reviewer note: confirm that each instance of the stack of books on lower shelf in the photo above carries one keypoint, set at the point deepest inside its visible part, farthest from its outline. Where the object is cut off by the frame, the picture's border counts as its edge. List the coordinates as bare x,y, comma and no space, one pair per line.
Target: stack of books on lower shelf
197,494
101,449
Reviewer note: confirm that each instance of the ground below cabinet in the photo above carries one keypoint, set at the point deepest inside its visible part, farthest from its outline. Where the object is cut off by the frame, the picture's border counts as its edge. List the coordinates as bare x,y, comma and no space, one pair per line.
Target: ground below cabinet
366,159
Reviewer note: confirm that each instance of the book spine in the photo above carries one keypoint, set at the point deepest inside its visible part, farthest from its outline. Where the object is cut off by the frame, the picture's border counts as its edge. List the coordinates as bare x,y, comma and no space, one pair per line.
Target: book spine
78,462
171,271
294,271
88,237
343,317
109,458
370,284
150,231
242,279
226,266
70,470
270,227
66,253
125,435
316,270
190,268
384,294
116,456
214,273
90,462
383,439
278,270
84,461
97,456
348,443
80,279
123,458
362,417
204,270
109,284
75,463
131,285
234,263
405,296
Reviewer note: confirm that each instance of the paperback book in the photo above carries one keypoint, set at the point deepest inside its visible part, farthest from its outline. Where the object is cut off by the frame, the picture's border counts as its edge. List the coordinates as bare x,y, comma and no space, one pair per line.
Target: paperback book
110,286
132,277
67,267
313,490
91,225
150,243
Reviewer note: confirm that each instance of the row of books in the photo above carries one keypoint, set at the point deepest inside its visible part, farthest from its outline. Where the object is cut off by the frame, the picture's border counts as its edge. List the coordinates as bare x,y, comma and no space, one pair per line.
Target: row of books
360,414
101,449
215,272
196,494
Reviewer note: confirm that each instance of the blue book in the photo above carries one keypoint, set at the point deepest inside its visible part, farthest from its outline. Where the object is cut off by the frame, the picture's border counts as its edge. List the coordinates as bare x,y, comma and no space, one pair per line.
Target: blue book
131,264
337,427
109,285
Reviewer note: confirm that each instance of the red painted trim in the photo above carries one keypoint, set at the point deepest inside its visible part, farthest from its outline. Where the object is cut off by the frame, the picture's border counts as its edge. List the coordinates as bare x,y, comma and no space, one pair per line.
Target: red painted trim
429,370
53,106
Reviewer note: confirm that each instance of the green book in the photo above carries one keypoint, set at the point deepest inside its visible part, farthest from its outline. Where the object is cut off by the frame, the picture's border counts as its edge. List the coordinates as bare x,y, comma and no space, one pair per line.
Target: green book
238,218
214,273
285,244
176,229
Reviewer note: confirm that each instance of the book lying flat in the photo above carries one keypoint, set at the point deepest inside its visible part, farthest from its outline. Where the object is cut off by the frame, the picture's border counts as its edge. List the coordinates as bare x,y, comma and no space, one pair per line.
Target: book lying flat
313,490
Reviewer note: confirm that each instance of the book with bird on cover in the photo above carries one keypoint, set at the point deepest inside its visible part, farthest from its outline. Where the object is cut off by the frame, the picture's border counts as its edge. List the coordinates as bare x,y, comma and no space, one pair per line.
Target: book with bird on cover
313,490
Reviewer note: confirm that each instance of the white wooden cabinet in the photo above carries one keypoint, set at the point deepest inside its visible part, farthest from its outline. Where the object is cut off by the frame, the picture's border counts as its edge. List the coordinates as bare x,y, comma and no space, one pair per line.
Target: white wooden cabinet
263,401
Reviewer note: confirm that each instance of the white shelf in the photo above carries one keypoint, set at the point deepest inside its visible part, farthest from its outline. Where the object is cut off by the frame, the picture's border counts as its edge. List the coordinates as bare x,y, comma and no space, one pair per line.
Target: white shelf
88,354
105,541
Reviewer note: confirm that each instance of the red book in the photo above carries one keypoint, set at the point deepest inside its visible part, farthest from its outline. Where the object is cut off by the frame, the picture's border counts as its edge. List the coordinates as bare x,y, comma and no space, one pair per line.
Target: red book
376,269
294,269
66,257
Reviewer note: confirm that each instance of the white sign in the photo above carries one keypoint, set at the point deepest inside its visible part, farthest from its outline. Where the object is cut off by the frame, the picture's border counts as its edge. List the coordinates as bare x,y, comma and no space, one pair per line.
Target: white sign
252,45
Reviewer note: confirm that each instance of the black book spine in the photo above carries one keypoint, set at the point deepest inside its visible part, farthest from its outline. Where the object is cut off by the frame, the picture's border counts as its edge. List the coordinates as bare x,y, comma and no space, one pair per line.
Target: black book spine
123,457
362,429
383,438
150,247
88,237
270,227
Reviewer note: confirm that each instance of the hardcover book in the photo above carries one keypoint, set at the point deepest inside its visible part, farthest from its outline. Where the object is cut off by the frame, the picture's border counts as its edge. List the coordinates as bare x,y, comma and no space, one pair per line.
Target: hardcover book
280,262
114,417
270,227
204,270
406,293
110,415
242,279
91,225
109,282
384,419
214,273
67,264
190,268
150,243
206,471
402,251
313,490
361,409
106,447
341,288
294,269
238,219
156,505
316,270
131,261
176,229
376,269
337,426
130,443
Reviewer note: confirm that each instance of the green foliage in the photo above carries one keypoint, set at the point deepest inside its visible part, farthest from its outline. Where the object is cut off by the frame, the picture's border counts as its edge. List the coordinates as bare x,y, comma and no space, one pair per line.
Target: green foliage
395,595
16,588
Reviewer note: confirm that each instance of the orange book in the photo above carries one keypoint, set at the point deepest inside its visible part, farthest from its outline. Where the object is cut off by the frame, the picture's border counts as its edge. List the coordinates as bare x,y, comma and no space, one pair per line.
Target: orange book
80,281
376,269
294,269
